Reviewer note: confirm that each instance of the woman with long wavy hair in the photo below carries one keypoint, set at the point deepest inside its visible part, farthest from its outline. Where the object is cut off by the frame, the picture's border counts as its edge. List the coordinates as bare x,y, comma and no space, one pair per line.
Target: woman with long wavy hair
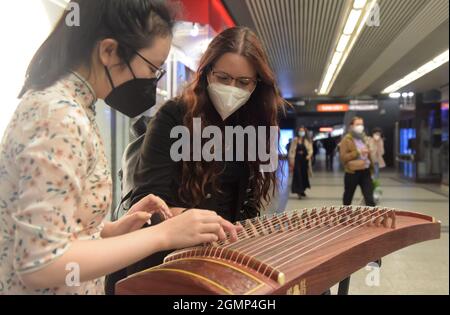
234,86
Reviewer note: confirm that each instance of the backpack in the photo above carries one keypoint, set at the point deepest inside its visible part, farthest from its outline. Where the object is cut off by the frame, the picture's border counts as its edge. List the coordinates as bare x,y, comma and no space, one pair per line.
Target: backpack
129,163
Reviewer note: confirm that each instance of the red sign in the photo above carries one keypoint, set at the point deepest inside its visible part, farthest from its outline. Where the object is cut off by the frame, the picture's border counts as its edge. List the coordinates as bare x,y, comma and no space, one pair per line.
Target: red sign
326,129
331,108
211,12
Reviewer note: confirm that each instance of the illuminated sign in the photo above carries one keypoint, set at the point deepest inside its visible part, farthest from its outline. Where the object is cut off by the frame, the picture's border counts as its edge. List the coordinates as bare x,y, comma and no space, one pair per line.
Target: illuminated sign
364,105
326,129
364,108
331,108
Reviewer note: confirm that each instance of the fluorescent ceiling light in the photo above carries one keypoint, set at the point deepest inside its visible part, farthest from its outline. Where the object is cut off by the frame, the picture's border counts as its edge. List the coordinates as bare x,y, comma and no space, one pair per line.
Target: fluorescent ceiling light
442,58
328,78
420,72
336,58
352,22
359,4
343,43
352,29
330,71
427,67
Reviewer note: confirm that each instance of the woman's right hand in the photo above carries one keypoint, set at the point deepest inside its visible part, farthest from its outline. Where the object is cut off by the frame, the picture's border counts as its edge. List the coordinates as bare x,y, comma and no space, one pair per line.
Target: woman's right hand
195,227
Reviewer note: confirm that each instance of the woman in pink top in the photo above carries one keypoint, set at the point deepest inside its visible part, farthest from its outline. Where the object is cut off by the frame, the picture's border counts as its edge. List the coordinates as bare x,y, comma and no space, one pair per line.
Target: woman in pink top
376,144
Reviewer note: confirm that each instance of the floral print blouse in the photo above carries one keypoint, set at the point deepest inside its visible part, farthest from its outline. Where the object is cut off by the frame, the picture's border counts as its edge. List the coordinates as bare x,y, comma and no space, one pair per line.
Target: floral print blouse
55,183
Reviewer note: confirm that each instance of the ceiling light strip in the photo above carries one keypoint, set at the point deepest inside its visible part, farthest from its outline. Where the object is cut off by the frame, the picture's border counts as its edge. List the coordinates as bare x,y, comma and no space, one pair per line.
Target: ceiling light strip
348,37
418,73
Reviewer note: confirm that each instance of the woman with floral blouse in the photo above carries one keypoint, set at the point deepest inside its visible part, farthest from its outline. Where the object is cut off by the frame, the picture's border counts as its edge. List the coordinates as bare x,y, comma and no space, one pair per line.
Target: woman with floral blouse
55,185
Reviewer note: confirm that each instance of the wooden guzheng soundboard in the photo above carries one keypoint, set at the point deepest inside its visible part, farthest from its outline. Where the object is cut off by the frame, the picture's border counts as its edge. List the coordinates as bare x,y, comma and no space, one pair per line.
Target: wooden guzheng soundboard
302,252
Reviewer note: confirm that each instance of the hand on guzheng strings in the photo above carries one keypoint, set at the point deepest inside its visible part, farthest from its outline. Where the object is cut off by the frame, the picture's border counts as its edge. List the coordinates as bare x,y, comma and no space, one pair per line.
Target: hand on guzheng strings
230,229
196,227
137,216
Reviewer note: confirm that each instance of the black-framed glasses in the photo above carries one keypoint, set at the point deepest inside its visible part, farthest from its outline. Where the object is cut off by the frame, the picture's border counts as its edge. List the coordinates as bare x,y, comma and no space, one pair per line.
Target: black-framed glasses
241,82
159,72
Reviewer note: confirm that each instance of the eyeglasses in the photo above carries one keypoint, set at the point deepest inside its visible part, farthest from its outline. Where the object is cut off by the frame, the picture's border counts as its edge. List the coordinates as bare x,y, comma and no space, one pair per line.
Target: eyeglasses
242,82
158,72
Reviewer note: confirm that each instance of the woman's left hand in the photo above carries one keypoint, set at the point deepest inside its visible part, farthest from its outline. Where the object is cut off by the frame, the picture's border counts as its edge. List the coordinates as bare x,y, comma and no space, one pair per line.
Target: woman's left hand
137,216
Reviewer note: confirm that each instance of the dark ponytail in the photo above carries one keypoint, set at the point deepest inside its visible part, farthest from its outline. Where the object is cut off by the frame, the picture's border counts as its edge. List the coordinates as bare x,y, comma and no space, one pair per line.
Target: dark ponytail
133,23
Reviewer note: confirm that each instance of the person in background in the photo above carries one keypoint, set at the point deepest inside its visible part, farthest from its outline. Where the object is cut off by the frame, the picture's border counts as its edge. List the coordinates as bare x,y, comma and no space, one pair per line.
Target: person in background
376,143
316,150
300,155
288,146
330,147
356,158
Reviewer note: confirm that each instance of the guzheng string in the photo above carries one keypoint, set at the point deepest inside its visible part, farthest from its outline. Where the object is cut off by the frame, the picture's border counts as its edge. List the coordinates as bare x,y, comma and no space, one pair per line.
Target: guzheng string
298,252
294,232
244,249
304,253
365,219
346,212
324,214
265,224
309,242
274,238
257,231
293,235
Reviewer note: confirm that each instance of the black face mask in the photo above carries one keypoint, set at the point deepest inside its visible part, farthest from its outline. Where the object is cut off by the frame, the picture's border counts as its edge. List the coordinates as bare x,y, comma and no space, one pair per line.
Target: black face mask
134,97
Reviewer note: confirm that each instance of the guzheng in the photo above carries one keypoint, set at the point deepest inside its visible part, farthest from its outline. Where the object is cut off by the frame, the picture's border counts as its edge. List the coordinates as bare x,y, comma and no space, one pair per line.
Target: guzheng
302,252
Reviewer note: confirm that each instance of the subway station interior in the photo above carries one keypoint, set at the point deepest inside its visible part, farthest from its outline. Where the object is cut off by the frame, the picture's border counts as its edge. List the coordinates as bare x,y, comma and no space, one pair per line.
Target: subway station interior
383,64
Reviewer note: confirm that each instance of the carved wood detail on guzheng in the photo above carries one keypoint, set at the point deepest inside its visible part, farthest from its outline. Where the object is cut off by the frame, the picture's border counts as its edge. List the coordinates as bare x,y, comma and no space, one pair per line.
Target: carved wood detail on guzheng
302,252
229,255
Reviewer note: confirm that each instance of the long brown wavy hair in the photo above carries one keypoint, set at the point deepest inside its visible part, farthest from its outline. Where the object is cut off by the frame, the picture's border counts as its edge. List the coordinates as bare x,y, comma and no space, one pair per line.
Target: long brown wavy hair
261,110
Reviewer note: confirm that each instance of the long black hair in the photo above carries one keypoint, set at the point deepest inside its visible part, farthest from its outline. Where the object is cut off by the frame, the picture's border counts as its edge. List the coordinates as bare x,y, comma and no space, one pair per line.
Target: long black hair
132,23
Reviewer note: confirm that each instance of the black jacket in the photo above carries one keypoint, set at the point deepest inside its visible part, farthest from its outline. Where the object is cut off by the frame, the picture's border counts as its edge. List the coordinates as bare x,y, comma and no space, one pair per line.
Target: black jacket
156,173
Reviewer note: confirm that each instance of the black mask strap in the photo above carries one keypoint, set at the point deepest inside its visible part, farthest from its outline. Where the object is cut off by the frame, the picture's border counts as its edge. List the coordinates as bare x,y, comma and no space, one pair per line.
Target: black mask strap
108,74
109,77
131,70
